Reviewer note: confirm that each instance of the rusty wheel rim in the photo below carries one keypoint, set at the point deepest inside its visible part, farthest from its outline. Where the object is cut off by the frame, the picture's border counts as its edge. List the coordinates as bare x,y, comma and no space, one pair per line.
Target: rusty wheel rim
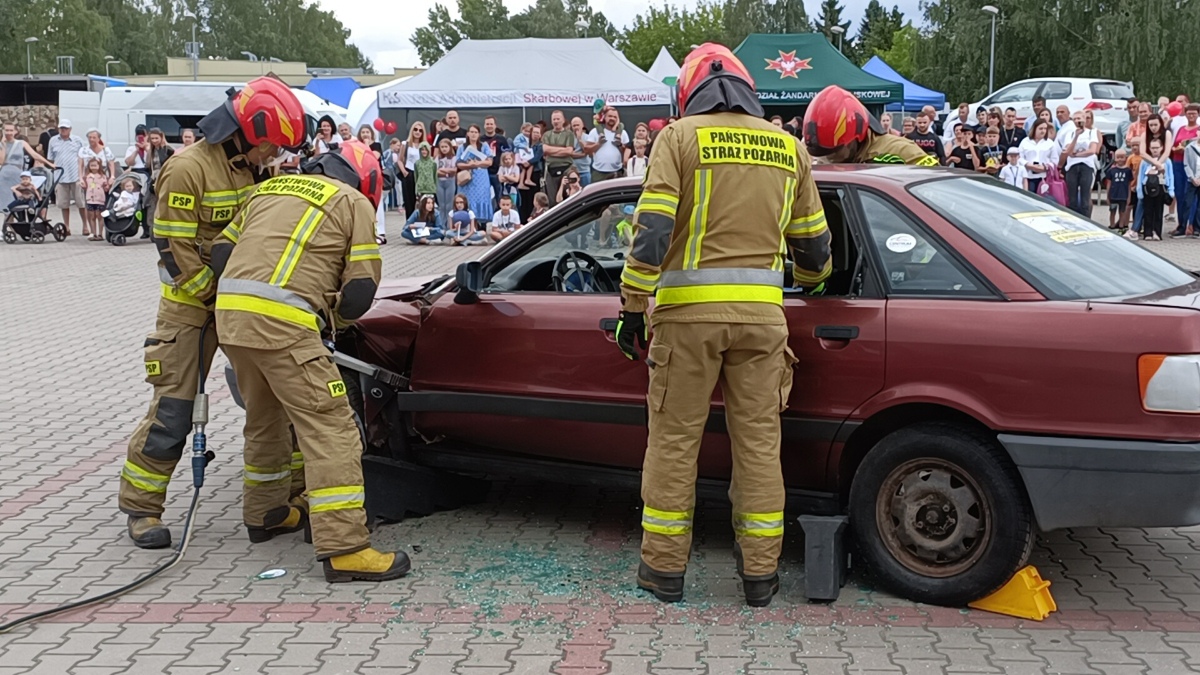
934,518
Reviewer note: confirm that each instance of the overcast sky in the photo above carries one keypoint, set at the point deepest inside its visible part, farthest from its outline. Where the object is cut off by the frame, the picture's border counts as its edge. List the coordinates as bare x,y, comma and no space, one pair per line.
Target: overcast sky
384,36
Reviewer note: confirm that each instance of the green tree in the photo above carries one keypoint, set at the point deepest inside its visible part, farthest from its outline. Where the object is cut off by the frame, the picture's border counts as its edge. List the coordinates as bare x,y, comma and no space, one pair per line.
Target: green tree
788,16
478,20
877,31
900,55
62,27
671,27
830,16
743,17
557,19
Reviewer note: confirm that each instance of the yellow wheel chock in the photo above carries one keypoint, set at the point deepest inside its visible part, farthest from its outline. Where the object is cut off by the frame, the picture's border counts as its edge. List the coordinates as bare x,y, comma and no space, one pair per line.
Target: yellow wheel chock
1026,595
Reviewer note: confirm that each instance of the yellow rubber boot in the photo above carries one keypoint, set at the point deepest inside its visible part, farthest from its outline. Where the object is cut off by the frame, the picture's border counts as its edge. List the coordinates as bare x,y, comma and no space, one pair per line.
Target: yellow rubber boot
148,532
366,565
278,521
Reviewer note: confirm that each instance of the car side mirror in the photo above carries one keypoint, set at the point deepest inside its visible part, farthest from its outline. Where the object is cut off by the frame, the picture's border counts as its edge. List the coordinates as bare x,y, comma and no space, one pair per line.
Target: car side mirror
469,277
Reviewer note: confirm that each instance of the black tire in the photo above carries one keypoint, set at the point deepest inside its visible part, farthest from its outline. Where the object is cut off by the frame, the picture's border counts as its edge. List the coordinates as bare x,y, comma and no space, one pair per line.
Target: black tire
37,237
118,240
967,527
10,237
60,232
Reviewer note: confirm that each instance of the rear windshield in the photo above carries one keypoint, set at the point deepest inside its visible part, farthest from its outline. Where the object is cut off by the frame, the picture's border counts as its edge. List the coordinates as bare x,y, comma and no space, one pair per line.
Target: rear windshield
1112,90
1059,253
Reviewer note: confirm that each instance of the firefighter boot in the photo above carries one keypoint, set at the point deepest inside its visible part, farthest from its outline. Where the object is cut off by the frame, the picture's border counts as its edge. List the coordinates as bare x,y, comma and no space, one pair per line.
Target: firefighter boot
148,532
281,520
666,586
758,590
366,565
299,502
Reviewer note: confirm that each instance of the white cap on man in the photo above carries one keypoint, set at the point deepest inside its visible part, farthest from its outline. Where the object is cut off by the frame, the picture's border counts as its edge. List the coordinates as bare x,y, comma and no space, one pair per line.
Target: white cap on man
64,123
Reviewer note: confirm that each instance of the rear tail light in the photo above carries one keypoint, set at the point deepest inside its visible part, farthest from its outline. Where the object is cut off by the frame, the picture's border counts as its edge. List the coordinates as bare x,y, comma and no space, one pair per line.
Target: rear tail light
1170,383
1098,105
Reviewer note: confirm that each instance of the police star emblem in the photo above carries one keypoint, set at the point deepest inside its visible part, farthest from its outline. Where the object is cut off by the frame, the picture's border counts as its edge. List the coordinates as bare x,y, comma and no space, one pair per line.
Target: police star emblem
787,64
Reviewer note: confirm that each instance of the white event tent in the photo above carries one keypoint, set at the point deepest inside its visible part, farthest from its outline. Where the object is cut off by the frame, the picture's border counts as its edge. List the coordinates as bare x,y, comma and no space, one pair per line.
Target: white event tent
664,68
537,77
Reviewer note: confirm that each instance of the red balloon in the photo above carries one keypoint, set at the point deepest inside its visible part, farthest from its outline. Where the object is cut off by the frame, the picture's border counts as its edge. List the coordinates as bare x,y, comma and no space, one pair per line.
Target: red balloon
379,126
392,127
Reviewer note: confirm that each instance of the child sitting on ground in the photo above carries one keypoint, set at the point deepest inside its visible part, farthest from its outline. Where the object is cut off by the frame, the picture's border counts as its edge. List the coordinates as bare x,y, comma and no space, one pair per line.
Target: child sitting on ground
126,204
506,220
463,231
541,204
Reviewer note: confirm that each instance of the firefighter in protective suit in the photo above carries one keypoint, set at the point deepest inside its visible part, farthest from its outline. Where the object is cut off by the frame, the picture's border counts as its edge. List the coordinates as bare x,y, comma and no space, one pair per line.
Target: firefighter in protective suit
725,197
301,259
199,191
838,127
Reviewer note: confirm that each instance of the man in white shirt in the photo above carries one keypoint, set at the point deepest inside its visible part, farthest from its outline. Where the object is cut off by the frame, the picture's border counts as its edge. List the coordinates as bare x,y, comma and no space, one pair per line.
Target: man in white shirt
1080,145
609,158
63,152
1066,126
964,117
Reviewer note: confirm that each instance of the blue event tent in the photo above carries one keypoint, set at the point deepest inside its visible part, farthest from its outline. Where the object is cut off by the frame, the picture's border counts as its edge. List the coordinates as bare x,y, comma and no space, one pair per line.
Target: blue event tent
336,90
915,96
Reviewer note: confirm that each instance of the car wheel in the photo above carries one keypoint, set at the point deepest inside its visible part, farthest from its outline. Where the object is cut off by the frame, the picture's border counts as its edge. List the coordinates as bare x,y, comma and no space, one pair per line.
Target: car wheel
939,515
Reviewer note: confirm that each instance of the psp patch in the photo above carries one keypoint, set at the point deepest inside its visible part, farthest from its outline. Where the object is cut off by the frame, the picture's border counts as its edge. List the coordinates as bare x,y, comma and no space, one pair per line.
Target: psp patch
730,145
337,388
181,201
153,368
221,214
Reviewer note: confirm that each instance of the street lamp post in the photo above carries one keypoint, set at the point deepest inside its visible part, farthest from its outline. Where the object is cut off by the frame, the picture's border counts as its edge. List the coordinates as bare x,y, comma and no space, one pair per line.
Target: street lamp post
195,46
108,62
838,31
994,11
29,57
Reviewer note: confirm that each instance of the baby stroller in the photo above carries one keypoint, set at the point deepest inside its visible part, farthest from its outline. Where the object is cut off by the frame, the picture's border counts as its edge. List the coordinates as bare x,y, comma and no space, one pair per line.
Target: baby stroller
118,228
28,223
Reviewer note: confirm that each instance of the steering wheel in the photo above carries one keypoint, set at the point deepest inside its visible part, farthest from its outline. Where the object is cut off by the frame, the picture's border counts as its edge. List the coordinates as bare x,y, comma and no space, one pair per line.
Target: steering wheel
578,272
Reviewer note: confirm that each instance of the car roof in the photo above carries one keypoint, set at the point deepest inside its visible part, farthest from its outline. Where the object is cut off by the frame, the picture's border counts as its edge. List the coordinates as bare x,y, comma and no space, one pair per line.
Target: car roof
884,175
1072,80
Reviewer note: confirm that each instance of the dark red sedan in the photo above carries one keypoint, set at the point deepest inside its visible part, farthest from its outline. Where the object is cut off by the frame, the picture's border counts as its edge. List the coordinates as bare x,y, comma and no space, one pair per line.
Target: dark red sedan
980,363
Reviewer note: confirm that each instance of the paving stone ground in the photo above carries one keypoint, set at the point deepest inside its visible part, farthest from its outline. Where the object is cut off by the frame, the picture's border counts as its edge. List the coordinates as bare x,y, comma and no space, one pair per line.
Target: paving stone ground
535,580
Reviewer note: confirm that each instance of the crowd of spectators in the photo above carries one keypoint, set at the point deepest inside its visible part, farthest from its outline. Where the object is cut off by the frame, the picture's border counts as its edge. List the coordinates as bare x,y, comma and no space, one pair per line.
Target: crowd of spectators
1151,175
452,175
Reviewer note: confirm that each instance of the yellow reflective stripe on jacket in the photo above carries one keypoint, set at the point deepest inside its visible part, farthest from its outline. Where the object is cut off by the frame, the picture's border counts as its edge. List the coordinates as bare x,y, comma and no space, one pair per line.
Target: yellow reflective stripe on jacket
658,202
257,475
301,234
692,295
758,524
801,276
176,228
638,280
176,295
269,308
361,252
297,461
198,283
807,226
666,522
144,480
232,232
226,197
699,220
927,160
336,498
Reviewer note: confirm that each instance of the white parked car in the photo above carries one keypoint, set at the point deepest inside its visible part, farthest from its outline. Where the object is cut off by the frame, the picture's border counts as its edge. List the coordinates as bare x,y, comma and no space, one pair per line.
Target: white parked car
1105,98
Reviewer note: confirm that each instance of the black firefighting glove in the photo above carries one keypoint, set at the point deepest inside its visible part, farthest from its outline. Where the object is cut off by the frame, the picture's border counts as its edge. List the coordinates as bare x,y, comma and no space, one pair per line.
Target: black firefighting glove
631,330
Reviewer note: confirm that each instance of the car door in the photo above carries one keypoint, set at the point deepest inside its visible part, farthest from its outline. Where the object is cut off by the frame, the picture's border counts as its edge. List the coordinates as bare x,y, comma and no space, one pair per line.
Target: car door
1018,96
1059,92
532,370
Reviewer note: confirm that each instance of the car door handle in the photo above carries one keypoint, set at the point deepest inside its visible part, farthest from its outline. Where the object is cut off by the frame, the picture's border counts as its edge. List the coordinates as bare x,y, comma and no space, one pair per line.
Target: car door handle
608,325
836,332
